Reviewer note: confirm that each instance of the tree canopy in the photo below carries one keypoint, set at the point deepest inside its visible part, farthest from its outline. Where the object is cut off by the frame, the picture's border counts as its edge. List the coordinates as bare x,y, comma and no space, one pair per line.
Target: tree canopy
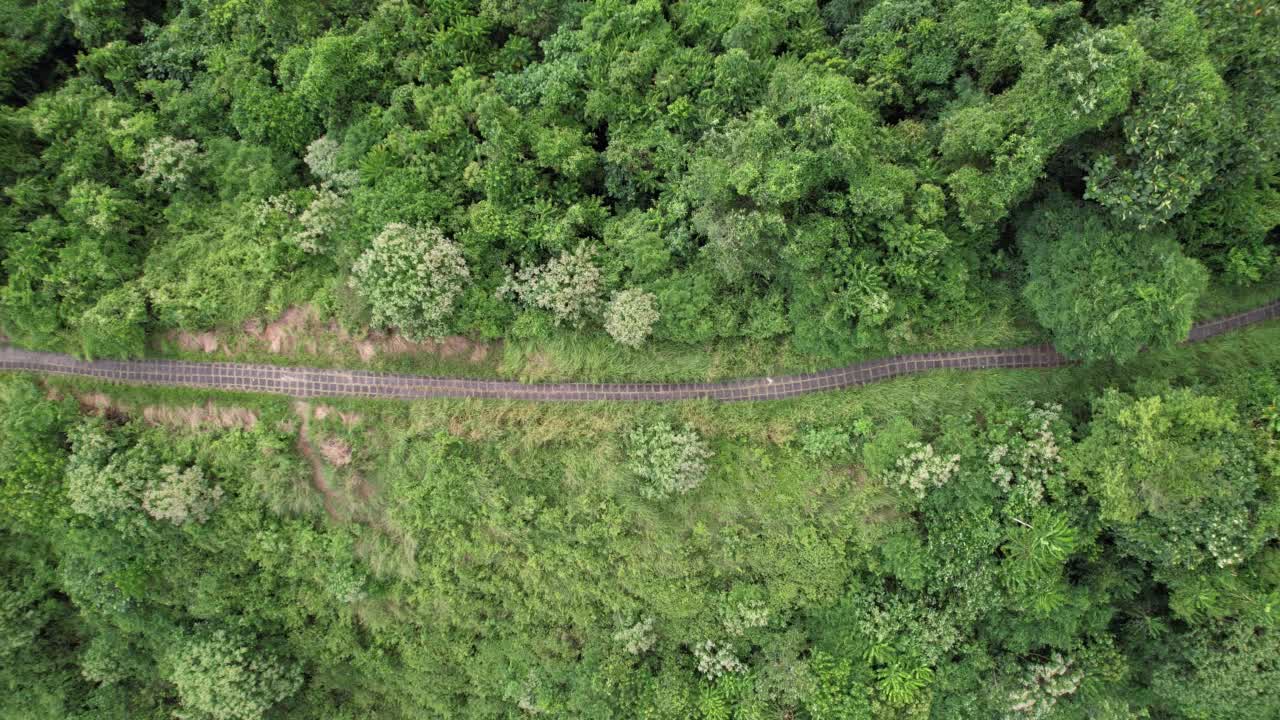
835,175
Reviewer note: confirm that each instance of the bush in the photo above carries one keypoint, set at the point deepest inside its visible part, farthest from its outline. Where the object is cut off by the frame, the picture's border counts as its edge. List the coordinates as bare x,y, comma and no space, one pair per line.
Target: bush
411,277
825,443
880,455
113,327
630,316
666,460
1104,291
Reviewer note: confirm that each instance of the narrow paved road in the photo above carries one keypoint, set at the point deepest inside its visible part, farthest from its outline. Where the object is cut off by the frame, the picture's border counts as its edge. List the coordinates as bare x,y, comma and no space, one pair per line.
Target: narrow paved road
304,382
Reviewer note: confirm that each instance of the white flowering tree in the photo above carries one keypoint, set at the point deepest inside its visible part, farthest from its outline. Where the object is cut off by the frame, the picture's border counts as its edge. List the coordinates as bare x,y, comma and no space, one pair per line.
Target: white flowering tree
322,161
167,162
412,278
1039,692
923,469
320,221
181,495
568,286
630,316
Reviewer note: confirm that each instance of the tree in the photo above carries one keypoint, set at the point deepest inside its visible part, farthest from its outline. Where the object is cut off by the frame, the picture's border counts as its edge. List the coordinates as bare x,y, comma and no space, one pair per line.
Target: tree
1178,479
32,433
412,278
1224,670
29,32
1106,292
223,677
104,481
1002,145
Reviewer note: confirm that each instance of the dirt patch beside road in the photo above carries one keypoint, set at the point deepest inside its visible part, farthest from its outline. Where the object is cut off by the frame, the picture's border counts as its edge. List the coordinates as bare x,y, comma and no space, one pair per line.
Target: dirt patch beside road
300,330
189,417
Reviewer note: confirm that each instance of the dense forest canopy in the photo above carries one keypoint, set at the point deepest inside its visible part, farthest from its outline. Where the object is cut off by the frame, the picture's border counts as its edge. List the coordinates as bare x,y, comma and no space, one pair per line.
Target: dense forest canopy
1096,542
840,175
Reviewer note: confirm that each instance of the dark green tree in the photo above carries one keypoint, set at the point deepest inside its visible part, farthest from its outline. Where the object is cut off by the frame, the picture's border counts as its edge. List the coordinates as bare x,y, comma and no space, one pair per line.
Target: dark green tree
1106,292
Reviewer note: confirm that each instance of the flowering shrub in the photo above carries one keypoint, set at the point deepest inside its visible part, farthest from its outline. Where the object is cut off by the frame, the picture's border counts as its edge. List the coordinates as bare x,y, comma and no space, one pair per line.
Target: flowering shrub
922,469
630,316
276,207
322,161
1221,532
412,278
320,221
668,461
746,616
568,286
1030,449
714,661
168,162
312,227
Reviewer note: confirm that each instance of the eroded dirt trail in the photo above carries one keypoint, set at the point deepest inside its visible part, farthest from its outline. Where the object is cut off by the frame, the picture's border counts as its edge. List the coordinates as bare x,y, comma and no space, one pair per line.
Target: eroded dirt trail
318,479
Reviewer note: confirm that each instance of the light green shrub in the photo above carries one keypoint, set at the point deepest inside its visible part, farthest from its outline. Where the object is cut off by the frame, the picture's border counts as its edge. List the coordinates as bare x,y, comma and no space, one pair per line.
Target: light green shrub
667,460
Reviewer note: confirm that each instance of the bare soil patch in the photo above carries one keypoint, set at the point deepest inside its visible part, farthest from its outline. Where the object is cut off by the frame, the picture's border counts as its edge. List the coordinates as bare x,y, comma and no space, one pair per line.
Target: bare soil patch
205,342
190,417
318,479
301,330
349,419
336,450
